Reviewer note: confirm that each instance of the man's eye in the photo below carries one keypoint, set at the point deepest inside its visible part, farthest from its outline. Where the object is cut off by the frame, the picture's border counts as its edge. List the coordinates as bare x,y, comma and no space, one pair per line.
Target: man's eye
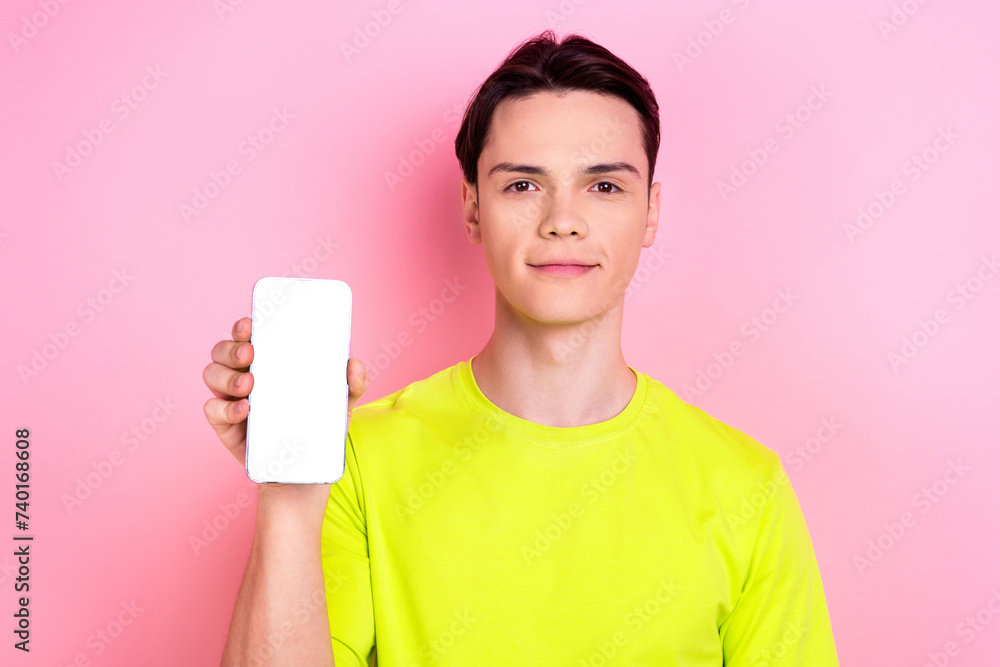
606,191
516,186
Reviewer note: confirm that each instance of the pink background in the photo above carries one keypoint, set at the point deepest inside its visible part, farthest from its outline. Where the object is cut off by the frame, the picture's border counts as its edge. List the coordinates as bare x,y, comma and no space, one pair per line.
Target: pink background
315,200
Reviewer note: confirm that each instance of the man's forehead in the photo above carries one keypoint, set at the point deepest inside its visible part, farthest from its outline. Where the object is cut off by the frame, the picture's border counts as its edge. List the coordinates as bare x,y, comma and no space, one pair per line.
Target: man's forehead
583,107
582,130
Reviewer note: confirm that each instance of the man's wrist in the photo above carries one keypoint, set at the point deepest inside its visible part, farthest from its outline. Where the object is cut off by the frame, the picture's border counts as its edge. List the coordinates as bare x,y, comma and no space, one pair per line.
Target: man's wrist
290,505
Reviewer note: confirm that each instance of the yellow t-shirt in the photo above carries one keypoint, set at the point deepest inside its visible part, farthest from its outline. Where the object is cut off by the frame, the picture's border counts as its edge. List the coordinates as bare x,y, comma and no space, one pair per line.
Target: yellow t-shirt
461,534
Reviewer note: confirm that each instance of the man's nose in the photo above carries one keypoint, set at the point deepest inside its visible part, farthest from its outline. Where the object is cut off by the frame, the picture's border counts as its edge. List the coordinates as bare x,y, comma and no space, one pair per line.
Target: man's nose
561,214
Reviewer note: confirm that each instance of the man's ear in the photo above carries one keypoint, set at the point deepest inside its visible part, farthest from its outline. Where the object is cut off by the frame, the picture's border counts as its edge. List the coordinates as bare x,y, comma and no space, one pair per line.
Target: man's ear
652,215
470,210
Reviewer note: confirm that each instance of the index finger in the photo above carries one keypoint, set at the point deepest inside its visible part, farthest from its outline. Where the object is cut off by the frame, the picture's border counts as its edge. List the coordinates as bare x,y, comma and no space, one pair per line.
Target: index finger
241,329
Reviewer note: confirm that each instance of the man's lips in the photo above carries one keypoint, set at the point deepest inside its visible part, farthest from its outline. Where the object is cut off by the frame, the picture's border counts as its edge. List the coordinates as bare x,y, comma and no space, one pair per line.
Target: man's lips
563,261
563,269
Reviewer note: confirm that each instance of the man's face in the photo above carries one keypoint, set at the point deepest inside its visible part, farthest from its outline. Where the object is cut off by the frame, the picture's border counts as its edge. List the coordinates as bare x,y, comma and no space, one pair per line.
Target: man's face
556,182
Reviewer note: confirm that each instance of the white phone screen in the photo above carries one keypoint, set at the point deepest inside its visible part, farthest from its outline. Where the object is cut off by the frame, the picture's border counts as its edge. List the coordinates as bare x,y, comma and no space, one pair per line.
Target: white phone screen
297,423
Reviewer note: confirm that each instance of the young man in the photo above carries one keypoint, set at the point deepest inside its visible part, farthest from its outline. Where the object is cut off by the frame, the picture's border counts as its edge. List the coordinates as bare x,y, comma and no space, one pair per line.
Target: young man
542,502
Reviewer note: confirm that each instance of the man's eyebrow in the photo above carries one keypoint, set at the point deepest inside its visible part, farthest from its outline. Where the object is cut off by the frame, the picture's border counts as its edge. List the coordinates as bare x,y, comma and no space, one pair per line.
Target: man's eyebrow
604,168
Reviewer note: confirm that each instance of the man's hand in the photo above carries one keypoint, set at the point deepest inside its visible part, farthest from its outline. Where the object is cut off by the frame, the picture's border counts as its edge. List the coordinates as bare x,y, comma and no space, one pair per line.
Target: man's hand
229,379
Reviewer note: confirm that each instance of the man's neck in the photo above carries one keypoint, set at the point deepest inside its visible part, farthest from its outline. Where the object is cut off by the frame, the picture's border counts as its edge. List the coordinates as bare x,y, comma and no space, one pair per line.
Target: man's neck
565,376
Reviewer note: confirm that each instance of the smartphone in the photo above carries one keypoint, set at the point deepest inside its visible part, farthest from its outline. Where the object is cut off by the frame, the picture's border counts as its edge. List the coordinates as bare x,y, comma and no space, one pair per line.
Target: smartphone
297,423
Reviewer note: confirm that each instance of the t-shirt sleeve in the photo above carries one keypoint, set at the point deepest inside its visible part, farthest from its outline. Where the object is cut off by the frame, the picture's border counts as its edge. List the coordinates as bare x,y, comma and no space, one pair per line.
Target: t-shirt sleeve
346,570
780,618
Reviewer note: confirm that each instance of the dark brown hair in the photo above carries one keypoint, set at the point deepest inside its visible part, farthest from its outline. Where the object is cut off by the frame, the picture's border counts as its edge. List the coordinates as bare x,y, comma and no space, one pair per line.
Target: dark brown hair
539,64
